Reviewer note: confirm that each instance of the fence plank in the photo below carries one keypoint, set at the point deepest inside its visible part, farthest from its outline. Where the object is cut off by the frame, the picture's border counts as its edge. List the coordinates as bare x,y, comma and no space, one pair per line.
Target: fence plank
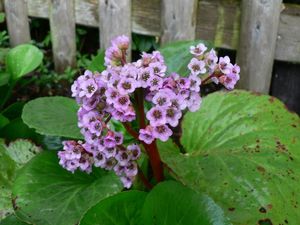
17,21
259,26
288,38
178,20
62,25
115,19
220,27
146,17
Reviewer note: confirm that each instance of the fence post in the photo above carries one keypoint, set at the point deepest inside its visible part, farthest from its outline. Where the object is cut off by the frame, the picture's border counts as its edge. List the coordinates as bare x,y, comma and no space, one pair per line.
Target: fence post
178,20
17,21
63,37
259,26
114,20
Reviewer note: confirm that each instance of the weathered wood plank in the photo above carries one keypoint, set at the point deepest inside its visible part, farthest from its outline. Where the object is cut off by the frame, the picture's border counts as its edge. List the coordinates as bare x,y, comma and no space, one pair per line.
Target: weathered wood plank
288,38
115,19
38,8
219,22
62,25
17,21
178,20
146,17
86,12
221,27
259,27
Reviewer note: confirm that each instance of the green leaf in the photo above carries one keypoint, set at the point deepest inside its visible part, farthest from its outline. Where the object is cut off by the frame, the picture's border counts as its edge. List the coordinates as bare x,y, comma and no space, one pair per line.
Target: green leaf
2,17
14,110
177,55
121,209
3,121
17,129
48,194
172,203
21,151
4,78
97,64
3,53
7,175
54,116
243,151
22,60
12,220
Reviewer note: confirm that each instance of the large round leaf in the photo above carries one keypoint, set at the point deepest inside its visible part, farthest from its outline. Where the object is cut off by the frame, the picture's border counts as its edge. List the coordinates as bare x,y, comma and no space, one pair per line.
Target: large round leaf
121,209
22,60
177,55
243,151
54,116
172,203
45,193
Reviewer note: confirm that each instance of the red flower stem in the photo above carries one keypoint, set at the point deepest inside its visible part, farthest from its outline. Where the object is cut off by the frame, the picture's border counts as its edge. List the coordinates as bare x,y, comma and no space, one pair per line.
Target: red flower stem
155,161
132,132
107,119
152,152
145,181
209,77
123,59
151,149
139,96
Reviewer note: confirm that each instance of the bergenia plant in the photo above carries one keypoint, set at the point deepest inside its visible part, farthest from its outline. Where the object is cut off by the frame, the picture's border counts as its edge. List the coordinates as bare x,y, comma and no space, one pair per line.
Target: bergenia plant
142,91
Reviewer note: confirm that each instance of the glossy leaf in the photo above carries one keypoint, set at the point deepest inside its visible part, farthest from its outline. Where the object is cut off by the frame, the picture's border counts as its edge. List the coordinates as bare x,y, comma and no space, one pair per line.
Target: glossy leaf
243,151
177,55
172,203
121,209
45,193
54,116
22,60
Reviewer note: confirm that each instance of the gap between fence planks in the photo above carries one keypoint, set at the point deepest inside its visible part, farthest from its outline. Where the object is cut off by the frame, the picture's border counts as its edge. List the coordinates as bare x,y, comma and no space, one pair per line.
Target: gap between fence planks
17,22
255,55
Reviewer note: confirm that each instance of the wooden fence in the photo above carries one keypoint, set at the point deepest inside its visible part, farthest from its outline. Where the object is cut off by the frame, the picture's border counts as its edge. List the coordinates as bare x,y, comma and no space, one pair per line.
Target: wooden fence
260,30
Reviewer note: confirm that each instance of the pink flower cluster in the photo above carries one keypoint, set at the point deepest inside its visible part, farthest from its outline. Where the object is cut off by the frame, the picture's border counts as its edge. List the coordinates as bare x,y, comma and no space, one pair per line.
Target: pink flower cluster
110,95
220,70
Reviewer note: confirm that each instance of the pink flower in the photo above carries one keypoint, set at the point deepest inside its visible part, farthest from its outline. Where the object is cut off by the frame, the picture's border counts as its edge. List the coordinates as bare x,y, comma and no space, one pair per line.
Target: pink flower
224,65
162,132
197,66
198,50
